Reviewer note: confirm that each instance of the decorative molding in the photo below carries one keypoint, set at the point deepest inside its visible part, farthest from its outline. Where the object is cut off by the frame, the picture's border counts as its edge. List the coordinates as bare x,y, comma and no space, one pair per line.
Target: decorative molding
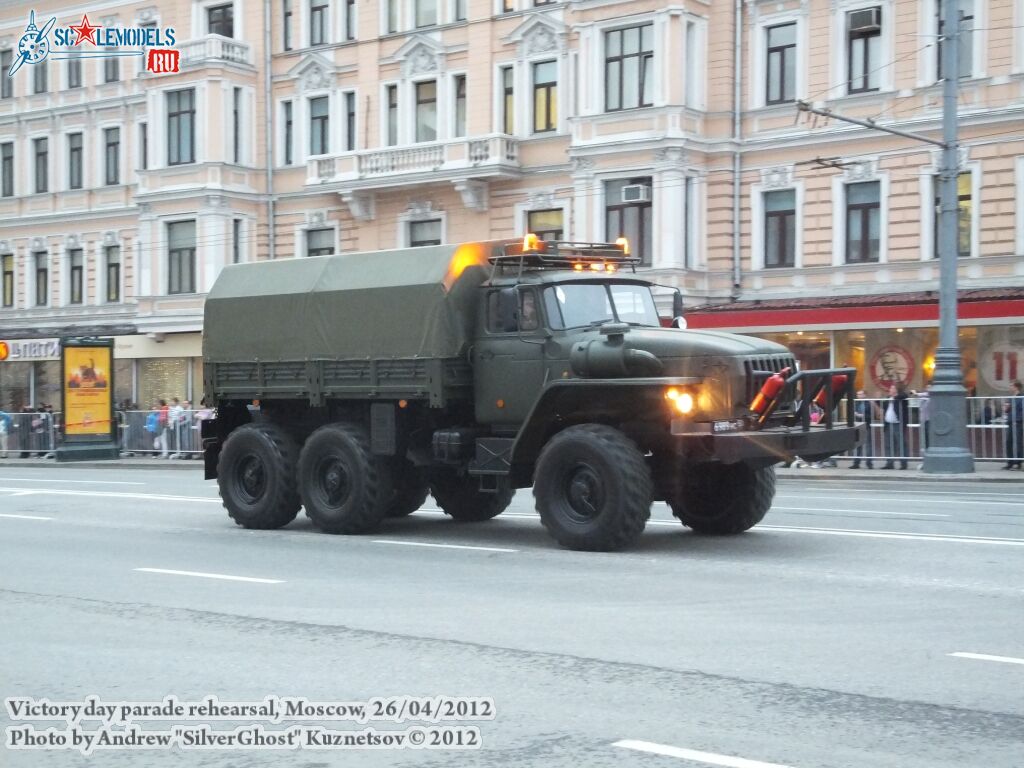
5,246
538,34
540,201
420,209
360,204
865,170
71,242
671,157
216,201
963,157
474,194
314,73
420,62
38,244
779,177
316,218
109,238
583,166
110,21
151,13
419,55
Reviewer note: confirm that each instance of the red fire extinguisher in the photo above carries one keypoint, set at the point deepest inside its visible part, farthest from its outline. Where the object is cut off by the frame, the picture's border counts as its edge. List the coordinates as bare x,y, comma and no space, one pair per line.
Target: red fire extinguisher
838,384
769,391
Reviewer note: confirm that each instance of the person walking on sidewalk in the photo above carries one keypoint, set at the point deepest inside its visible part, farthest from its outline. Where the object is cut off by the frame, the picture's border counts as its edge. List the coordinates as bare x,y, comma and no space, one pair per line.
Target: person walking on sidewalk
1014,409
896,419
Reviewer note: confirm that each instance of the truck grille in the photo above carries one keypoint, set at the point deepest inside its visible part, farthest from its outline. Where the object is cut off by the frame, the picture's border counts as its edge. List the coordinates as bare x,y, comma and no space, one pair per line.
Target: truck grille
772,363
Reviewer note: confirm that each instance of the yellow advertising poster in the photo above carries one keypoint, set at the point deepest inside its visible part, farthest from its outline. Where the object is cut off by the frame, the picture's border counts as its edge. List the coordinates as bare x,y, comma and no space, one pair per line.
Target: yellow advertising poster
87,390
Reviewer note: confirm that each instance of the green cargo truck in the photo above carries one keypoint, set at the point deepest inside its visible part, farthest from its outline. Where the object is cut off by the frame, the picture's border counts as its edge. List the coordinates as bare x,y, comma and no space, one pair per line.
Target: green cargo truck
468,371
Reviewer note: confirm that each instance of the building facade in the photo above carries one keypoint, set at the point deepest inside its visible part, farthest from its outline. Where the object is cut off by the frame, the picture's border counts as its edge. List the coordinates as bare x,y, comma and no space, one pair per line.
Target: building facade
298,128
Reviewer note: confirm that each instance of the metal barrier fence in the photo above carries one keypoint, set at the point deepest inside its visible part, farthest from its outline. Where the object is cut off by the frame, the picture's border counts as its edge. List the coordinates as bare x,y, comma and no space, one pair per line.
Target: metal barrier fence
992,434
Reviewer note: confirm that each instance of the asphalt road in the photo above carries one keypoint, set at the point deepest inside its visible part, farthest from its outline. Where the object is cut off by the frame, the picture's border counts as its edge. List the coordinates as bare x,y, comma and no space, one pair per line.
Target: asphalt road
825,638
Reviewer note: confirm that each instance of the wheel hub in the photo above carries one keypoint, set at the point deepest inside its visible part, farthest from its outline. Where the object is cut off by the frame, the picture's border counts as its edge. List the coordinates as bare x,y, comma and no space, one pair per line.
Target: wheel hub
334,481
585,492
252,478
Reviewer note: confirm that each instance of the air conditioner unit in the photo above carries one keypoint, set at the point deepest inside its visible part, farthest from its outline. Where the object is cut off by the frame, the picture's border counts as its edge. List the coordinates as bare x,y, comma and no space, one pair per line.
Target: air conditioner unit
868,20
636,193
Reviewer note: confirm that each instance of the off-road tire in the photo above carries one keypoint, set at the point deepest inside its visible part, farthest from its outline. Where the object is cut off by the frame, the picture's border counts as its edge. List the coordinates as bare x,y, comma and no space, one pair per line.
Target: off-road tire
461,499
410,488
723,499
344,487
257,476
593,488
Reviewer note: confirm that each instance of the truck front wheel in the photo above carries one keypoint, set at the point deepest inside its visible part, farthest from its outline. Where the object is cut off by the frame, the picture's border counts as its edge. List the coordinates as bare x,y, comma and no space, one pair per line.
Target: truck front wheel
723,499
462,500
256,475
593,488
344,487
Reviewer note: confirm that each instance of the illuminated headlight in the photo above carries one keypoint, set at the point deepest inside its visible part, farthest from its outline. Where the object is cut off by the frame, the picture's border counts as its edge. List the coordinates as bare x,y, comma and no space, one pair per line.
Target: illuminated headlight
681,401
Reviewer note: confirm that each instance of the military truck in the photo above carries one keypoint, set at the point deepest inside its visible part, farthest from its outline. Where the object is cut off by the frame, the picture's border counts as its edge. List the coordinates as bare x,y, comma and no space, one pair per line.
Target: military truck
469,371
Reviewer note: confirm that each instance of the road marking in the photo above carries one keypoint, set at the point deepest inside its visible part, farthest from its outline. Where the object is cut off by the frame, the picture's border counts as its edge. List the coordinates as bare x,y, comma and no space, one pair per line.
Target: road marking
858,511
951,500
116,495
48,480
895,535
441,546
26,517
987,657
858,491
708,758
222,576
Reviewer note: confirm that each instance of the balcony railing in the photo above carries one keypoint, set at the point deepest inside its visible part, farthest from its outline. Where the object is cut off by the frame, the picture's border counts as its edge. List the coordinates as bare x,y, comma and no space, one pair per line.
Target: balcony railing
494,155
215,49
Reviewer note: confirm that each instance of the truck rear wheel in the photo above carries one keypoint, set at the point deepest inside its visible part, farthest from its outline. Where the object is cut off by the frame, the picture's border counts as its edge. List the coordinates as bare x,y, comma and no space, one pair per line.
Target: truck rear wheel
410,489
257,477
593,488
462,500
723,499
344,487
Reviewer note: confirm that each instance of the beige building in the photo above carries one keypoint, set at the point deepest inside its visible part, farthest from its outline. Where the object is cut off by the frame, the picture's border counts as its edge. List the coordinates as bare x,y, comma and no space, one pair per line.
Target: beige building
303,127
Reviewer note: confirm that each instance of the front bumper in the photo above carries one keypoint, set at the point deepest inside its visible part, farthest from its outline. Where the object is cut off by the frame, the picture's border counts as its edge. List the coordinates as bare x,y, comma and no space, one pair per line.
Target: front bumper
773,443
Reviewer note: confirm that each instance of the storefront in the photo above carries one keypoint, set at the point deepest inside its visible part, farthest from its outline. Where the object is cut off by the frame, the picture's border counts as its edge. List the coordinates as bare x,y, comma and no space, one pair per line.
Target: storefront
29,374
888,339
159,367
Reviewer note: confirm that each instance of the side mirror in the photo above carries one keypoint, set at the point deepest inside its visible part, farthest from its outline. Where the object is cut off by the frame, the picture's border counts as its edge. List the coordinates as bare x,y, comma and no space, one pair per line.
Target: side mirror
677,304
508,310
679,322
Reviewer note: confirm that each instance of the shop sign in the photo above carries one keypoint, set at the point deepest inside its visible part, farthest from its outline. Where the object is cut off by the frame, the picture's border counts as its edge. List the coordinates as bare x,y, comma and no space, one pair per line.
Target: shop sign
1001,365
892,365
27,350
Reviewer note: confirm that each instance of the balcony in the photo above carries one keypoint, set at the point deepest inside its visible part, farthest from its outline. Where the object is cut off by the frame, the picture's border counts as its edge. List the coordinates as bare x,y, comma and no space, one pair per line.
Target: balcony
215,49
482,157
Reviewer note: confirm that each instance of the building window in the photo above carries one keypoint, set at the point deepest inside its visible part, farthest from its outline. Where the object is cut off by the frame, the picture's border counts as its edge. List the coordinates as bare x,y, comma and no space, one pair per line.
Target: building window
74,72
236,241
289,133
426,13
7,168
392,15
111,70
236,124
8,286
780,228
319,242
863,49
965,50
507,6
392,115
319,122
39,78
545,224
181,257
426,111
350,121
112,257
508,101
427,232
220,20
112,155
41,149
143,146
42,278
460,106
75,274
75,161
6,83
863,222
964,213
545,96
781,63
460,10
286,26
318,22
629,67
628,212
350,19
141,67
181,118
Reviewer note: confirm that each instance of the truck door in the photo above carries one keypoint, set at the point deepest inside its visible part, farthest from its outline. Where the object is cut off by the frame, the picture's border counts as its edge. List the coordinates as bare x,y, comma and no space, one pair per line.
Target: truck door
508,357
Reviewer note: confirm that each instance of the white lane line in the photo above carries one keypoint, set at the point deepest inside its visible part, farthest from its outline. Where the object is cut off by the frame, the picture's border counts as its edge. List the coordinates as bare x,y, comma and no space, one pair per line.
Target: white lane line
116,495
708,758
951,500
949,538
900,491
26,517
858,511
441,546
987,657
48,480
200,574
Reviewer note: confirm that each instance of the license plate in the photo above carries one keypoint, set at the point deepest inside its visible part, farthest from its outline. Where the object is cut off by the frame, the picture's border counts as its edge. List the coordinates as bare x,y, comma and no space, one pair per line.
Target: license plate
730,425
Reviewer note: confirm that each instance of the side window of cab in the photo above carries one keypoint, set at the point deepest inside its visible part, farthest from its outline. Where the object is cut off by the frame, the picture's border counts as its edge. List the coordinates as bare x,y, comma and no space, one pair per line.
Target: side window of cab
510,310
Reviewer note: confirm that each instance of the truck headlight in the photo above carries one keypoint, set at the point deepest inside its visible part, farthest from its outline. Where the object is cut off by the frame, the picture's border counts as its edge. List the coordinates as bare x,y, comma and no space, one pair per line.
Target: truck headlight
681,401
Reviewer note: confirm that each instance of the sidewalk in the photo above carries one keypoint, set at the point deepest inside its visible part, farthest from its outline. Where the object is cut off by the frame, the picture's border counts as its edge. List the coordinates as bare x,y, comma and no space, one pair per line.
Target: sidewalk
985,471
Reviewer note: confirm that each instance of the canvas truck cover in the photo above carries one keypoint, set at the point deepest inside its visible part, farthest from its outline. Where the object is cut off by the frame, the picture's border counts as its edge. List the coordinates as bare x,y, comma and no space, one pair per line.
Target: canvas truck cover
417,302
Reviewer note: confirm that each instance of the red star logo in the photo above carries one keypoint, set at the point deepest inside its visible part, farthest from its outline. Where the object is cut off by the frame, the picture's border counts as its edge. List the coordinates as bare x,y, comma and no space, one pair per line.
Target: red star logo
85,31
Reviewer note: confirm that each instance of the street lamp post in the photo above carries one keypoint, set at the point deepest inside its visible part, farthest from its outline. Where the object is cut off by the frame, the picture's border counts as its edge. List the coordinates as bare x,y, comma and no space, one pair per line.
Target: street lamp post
947,398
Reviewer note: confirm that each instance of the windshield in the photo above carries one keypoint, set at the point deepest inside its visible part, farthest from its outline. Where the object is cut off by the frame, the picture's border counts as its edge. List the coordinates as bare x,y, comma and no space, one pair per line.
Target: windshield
574,305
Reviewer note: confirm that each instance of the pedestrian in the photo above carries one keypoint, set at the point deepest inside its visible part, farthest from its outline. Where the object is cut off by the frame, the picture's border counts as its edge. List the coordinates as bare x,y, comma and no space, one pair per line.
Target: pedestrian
895,420
863,413
24,428
153,428
1014,409
163,422
174,419
6,425
922,410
